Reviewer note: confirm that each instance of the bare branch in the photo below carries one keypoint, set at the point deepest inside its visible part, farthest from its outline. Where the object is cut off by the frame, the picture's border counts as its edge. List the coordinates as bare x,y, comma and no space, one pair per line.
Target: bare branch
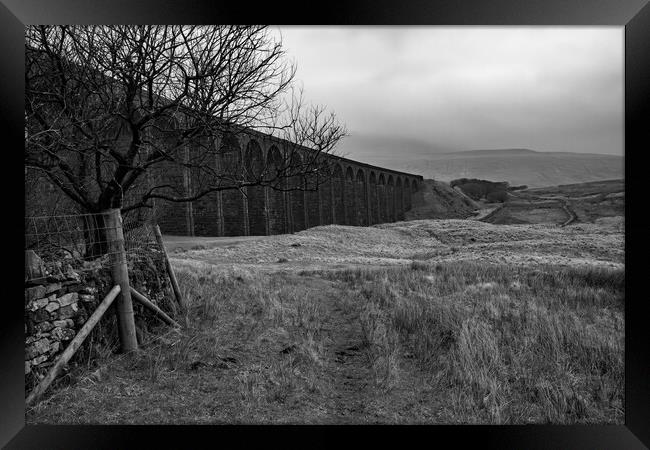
106,105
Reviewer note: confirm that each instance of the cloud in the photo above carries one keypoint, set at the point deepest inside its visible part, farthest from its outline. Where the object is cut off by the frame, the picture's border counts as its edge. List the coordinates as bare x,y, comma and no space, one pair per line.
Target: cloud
460,88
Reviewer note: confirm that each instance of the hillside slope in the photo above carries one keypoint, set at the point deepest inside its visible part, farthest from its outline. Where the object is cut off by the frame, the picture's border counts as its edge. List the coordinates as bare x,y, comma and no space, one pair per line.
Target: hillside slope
517,166
438,200
593,202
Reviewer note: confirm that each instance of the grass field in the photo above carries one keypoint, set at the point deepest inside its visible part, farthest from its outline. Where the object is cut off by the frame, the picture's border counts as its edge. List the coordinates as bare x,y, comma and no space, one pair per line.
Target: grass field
580,202
580,189
451,321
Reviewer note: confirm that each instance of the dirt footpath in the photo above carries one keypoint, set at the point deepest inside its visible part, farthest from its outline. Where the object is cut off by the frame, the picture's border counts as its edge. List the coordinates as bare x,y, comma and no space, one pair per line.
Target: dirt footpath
351,394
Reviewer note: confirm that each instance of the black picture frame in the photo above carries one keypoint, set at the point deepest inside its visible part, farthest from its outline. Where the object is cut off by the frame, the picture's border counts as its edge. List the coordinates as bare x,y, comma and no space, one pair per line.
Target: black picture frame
634,15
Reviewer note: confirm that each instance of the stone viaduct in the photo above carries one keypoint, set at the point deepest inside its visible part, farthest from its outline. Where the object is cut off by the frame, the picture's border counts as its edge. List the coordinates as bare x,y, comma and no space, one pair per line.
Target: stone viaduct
356,194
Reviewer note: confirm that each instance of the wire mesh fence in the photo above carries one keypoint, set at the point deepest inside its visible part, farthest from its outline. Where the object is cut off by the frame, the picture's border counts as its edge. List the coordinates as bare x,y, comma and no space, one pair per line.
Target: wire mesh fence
71,261
84,242
141,244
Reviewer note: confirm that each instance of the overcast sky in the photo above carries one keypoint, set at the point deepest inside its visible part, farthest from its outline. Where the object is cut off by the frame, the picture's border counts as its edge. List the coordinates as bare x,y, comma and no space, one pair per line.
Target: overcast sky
436,89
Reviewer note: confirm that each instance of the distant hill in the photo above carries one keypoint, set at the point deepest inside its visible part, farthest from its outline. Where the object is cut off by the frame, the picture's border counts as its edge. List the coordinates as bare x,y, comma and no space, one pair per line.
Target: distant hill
517,166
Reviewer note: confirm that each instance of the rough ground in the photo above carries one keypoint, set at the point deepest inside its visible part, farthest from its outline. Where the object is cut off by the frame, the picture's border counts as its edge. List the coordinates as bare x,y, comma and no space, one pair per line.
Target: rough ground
281,330
581,202
339,247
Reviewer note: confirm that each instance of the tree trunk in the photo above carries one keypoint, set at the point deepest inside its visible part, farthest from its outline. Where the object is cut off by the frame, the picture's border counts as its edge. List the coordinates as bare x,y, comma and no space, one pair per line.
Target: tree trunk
95,236
95,232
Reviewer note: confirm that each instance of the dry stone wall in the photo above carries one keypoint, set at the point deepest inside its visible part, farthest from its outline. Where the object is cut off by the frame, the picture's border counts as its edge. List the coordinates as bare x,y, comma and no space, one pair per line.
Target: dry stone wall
59,299
56,306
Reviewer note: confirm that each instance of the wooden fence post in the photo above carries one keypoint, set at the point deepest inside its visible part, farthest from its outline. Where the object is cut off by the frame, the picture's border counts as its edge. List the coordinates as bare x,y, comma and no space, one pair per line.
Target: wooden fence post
170,270
125,319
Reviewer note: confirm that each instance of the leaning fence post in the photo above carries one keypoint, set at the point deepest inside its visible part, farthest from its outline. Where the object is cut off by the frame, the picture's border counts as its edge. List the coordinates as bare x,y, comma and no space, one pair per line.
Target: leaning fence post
148,304
117,254
170,270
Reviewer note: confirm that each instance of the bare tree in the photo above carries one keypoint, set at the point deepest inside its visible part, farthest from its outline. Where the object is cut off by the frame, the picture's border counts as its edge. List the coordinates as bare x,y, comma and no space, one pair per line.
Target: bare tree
106,106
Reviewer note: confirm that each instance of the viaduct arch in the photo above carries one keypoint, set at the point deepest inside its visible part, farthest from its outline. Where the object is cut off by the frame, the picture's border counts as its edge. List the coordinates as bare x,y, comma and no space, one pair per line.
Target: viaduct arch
352,193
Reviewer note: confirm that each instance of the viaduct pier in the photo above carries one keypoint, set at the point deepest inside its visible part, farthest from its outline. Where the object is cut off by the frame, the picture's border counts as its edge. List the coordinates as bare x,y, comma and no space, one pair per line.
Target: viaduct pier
355,194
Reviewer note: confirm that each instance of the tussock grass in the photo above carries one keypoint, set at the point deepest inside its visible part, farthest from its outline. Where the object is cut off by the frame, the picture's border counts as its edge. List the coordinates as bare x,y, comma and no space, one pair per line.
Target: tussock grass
503,344
283,321
252,343
380,340
443,342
